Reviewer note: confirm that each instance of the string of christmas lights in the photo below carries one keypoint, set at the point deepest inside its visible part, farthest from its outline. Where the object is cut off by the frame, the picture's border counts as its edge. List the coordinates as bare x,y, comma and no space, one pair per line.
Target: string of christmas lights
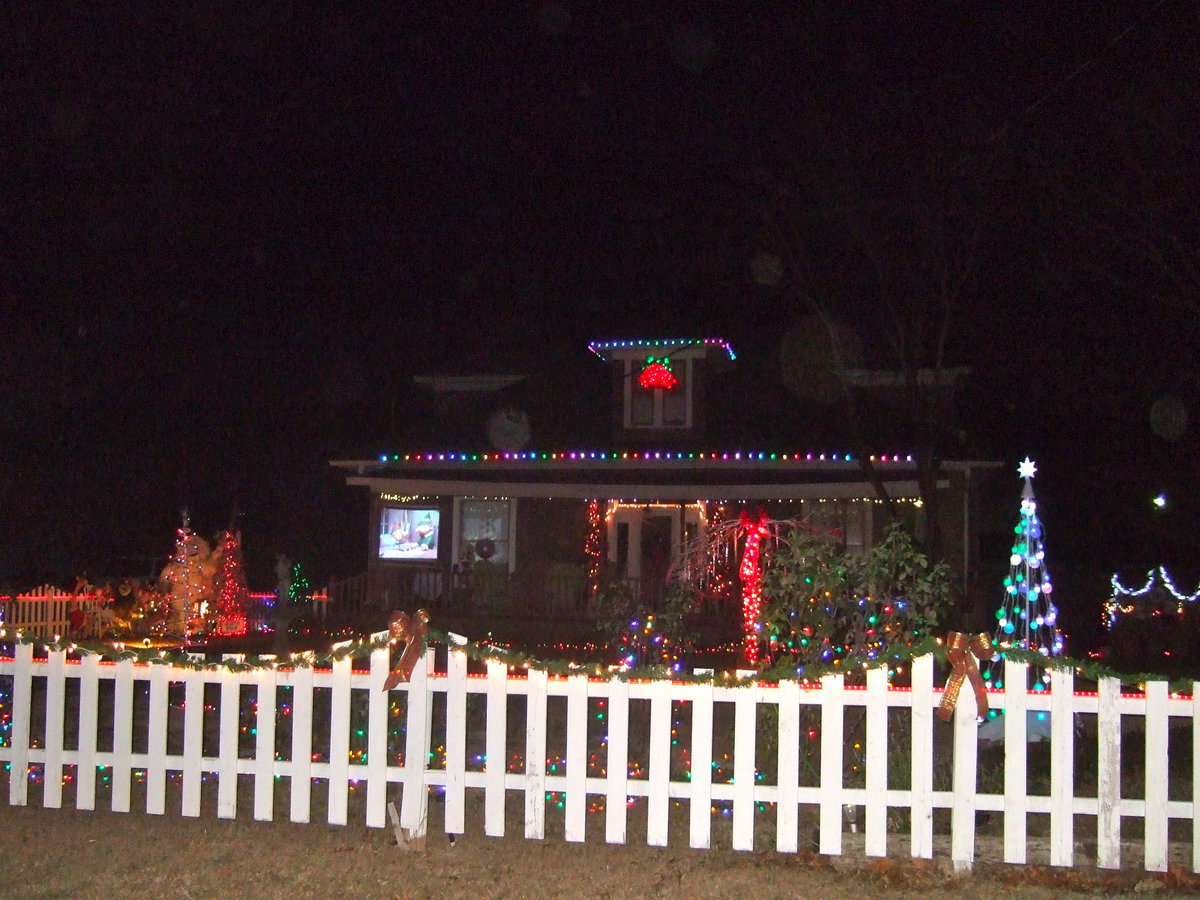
586,456
601,348
1113,608
232,591
751,575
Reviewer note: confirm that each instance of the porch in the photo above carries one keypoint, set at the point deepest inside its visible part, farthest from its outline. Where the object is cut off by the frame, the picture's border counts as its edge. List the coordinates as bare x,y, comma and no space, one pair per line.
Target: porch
553,605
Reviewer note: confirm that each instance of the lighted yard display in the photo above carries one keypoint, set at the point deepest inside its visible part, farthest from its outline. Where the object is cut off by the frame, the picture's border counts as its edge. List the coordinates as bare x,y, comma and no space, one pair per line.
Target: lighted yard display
1148,600
823,603
804,597
750,572
1027,617
189,578
657,374
232,592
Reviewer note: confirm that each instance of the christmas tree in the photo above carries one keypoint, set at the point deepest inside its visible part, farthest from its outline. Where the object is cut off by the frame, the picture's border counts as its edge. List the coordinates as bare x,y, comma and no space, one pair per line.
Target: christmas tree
1027,617
232,592
188,577
299,589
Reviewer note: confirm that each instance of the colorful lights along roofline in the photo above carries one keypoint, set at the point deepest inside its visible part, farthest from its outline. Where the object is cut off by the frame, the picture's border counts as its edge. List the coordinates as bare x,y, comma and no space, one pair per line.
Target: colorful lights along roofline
601,347
583,456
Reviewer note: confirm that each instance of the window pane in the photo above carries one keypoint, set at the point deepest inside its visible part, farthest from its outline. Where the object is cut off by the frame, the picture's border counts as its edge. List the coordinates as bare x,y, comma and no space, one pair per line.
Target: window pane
641,409
485,530
675,413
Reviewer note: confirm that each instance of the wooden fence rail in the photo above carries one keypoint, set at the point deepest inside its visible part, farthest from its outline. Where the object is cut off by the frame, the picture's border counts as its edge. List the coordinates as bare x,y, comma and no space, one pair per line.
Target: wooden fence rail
773,764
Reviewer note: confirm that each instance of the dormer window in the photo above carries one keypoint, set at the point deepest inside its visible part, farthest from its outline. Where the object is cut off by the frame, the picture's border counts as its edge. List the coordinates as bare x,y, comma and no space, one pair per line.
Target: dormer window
658,393
660,385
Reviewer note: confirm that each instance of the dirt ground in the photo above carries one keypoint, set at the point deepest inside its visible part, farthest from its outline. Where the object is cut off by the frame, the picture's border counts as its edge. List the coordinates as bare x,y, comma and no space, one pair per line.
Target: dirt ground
67,854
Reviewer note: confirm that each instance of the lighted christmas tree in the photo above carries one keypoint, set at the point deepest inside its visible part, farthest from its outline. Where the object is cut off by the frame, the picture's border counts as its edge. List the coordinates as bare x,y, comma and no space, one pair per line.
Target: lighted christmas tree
299,590
232,592
188,577
1027,617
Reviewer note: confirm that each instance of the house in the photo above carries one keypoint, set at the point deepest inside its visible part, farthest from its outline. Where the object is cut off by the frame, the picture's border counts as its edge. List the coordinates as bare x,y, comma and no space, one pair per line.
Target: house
558,487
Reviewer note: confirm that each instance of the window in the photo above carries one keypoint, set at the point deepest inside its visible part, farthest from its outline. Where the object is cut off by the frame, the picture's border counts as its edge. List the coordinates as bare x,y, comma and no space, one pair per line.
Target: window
485,531
658,407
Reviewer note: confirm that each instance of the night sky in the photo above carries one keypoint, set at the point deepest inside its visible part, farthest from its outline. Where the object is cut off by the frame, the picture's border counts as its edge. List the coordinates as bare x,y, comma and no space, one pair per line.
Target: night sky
232,236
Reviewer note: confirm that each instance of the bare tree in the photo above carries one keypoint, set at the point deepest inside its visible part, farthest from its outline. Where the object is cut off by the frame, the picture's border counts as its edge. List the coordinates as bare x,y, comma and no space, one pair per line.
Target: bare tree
879,244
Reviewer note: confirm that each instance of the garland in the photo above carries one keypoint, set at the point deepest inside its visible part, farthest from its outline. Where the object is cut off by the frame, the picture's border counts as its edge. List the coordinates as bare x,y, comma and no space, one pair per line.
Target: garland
517,659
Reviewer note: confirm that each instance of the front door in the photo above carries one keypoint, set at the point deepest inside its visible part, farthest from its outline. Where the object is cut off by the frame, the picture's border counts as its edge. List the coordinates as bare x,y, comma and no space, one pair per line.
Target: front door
644,541
657,555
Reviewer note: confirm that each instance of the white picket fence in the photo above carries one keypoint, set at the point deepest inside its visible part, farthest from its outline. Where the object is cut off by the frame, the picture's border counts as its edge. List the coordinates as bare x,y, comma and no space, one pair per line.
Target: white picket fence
47,610
74,719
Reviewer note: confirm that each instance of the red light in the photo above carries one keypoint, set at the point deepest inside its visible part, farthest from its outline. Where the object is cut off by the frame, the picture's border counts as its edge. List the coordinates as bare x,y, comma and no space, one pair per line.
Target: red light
657,375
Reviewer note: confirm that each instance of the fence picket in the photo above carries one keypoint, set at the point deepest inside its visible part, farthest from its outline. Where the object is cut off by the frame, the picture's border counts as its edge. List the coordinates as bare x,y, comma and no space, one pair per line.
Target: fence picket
300,805
537,683
745,734
1062,769
227,747
89,708
122,767
22,702
339,742
456,741
1157,766
832,738
414,804
921,776
700,783
1108,774
378,707
156,755
787,812
1196,776
496,749
193,740
577,758
56,689
617,777
966,764
1016,777
657,797
264,745
875,813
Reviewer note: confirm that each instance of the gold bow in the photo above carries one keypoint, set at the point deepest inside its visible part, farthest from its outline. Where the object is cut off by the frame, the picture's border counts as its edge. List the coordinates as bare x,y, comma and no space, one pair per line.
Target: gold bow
412,632
961,651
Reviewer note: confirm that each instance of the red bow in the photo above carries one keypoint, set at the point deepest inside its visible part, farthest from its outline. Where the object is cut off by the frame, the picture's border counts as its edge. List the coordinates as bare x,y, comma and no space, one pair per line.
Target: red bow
412,632
961,650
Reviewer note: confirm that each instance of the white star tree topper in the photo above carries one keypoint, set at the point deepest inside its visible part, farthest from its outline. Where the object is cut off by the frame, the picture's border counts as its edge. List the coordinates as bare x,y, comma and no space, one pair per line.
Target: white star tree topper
1027,468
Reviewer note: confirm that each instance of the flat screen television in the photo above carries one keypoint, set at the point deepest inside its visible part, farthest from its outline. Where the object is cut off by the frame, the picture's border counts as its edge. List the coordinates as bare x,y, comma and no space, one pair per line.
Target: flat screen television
409,533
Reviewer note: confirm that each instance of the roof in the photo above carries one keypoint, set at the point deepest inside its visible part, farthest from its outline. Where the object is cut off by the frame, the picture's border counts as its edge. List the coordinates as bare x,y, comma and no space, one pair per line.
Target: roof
632,475
606,349
566,404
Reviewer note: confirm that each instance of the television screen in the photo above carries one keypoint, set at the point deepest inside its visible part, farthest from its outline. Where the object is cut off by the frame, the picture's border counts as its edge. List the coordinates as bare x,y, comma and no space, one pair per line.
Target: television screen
409,533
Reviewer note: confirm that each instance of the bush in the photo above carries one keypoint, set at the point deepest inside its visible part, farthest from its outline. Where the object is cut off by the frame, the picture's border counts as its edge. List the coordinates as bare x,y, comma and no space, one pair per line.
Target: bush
821,603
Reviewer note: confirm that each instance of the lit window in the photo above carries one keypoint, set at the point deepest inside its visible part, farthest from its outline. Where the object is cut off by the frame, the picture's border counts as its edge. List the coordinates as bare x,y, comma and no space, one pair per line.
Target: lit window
485,534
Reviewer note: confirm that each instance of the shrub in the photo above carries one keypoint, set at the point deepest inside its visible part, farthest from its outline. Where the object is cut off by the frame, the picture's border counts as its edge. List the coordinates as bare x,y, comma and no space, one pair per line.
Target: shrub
821,603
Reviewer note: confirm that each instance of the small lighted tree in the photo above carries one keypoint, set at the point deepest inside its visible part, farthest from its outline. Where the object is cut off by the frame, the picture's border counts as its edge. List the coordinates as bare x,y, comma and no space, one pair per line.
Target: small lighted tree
299,590
1027,617
232,592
